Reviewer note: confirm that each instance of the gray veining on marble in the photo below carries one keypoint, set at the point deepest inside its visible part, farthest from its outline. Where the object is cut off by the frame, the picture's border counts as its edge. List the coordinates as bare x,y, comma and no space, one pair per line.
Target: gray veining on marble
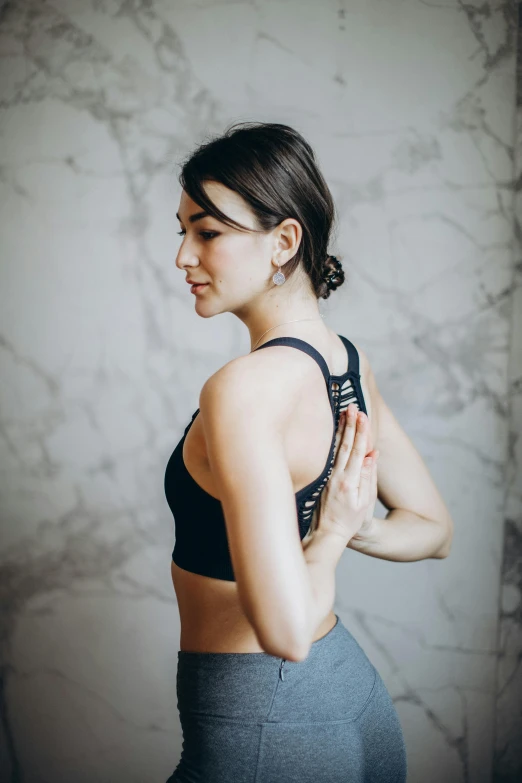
508,725
411,108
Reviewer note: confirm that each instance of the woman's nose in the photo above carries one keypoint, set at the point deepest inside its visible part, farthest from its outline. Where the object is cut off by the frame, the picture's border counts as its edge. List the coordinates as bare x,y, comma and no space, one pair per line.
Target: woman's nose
186,258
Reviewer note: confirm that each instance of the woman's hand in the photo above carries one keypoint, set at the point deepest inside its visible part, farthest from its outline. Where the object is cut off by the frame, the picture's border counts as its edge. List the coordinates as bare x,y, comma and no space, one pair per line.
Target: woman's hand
347,502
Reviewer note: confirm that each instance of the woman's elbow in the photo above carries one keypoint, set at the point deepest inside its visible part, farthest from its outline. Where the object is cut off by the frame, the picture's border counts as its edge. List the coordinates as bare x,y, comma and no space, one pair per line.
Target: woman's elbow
281,640
290,652
447,538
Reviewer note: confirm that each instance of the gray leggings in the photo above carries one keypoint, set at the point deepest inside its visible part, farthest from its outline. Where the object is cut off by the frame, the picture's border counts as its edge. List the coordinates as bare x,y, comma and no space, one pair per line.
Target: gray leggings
255,718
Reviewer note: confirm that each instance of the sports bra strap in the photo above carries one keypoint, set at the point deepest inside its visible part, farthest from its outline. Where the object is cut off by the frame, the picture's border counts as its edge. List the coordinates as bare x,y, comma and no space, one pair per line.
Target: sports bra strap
353,355
351,350
295,342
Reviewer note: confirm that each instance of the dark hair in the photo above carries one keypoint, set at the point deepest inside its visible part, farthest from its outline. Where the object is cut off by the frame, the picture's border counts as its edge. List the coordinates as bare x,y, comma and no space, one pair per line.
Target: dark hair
274,170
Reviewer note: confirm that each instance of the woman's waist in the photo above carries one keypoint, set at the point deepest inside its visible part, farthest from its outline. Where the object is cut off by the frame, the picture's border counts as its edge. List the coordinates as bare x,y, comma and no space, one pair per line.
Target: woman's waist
212,618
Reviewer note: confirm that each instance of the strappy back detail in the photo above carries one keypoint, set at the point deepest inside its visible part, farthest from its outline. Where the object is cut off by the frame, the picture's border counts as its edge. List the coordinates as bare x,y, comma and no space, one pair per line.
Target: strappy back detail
342,390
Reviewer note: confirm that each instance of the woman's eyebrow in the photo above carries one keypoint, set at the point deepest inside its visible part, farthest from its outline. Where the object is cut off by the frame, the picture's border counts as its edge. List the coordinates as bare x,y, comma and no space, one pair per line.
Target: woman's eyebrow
195,216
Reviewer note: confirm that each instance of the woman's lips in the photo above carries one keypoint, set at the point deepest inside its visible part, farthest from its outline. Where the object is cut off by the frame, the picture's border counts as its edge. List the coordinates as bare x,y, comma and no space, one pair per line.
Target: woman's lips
197,287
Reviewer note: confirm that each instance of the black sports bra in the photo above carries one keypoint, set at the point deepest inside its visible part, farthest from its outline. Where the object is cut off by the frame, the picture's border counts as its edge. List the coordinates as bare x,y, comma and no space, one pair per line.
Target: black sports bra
201,544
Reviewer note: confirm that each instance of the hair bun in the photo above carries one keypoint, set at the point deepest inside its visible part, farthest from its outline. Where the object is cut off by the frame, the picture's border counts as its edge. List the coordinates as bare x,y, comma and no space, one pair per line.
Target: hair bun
333,274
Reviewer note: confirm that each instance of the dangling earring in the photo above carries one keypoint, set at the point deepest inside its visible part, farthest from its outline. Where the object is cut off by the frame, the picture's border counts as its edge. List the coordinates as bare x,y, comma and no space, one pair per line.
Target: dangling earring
278,277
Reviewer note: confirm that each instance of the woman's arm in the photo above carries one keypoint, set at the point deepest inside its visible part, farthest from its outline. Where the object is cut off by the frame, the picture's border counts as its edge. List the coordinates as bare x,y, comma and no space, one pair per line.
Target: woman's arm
404,536
418,524
285,592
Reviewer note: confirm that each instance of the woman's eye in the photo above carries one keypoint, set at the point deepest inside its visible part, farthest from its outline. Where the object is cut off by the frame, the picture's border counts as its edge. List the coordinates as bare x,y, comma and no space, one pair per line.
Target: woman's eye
207,235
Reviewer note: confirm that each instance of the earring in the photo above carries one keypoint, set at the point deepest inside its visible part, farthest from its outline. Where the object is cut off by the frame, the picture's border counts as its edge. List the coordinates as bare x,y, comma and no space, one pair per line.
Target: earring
278,277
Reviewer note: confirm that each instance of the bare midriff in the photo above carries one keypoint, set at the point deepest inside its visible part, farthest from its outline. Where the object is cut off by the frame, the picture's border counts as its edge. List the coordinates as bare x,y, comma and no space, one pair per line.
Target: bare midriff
211,615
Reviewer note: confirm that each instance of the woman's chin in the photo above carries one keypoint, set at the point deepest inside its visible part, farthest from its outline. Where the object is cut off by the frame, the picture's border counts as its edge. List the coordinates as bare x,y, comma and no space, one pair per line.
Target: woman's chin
205,309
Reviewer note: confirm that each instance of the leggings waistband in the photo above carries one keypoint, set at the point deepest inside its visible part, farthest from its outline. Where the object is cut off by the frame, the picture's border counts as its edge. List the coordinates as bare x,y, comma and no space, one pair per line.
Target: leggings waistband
332,682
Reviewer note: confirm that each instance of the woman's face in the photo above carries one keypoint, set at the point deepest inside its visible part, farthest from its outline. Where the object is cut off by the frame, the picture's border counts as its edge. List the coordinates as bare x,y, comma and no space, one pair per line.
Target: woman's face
235,266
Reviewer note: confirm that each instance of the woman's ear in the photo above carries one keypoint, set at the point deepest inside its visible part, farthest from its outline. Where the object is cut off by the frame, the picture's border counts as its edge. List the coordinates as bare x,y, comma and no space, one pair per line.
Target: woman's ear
288,239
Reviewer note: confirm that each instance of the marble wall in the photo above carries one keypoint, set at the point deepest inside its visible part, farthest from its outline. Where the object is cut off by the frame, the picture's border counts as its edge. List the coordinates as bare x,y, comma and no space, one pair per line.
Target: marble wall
507,762
411,108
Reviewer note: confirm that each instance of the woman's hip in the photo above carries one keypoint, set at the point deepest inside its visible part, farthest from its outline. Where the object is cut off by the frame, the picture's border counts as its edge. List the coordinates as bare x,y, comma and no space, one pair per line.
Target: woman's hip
334,682
252,716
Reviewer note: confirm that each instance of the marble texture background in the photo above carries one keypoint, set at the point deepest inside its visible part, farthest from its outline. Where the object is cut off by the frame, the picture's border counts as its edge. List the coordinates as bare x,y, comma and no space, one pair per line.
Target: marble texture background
411,108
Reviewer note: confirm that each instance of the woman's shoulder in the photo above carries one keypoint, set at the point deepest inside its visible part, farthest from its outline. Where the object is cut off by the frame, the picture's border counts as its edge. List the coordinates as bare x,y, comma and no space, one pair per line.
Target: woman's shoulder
251,382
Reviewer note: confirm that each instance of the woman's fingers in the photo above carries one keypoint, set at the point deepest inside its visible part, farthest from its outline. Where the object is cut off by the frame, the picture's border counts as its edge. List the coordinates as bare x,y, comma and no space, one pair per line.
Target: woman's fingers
354,433
373,488
351,465
347,433
358,452
349,497
366,480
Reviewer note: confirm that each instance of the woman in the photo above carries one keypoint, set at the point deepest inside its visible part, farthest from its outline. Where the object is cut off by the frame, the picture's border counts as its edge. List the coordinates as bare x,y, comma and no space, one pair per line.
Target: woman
271,685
